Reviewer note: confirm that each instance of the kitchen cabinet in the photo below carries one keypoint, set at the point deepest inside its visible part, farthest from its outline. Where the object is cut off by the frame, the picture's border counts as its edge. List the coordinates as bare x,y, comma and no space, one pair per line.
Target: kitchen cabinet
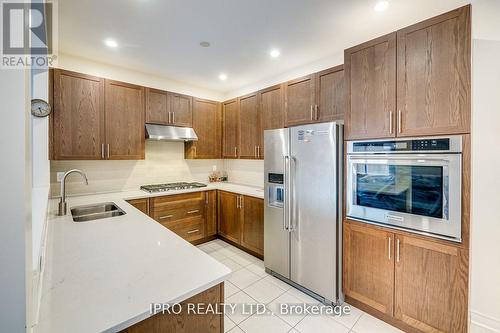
124,112
211,213
434,81
229,223
184,214
252,224
272,107
249,127
140,204
369,266
181,110
157,107
78,130
330,95
416,281
431,285
185,320
370,74
230,125
300,101
207,125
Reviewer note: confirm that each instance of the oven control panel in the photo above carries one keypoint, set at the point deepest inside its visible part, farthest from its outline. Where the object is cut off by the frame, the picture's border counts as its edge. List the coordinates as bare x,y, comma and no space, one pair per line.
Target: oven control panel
403,145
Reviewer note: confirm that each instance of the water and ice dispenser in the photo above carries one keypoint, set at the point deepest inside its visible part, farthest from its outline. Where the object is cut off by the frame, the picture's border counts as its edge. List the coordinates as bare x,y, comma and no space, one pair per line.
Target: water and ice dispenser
276,190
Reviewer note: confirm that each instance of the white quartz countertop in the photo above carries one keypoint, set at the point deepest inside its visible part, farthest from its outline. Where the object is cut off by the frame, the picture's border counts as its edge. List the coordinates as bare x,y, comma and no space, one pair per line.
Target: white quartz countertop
103,275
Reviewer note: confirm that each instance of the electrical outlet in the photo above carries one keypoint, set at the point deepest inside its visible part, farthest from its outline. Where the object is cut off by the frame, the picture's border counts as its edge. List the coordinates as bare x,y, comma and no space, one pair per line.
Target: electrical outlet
60,176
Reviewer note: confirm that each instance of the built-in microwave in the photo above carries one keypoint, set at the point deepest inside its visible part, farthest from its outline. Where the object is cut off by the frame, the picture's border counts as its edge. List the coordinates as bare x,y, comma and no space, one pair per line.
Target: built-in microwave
409,184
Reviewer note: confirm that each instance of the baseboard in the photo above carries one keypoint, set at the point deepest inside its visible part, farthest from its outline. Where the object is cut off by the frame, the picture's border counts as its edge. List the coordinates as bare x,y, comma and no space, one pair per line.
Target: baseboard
480,323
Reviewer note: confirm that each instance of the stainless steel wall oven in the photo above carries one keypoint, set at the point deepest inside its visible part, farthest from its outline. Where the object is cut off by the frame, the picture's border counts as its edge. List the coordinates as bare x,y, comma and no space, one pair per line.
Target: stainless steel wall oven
410,184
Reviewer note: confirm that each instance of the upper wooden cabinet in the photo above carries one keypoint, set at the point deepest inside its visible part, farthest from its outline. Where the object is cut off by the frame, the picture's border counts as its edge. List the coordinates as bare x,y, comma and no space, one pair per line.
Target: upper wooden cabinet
167,108
230,125
157,107
369,266
300,101
330,95
434,84
431,285
429,84
181,110
124,109
370,72
78,116
249,124
272,107
207,125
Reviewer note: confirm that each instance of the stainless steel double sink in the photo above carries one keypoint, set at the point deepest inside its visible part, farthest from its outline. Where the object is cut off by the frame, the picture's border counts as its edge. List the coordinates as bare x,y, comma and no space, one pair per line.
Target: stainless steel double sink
95,212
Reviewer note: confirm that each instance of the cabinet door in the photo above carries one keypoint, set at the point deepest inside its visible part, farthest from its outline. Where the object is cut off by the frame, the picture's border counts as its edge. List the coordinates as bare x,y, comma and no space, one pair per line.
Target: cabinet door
181,108
431,285
140,204
207,125
434,75
229,216
370,73
299,101
369,266
78,117
249,127
330,94
211,213
271,107
230,138
252,226
157,107
124,109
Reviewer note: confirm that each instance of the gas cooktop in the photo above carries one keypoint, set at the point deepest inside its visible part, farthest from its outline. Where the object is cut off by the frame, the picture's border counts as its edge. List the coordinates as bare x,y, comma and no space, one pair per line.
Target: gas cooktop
170,187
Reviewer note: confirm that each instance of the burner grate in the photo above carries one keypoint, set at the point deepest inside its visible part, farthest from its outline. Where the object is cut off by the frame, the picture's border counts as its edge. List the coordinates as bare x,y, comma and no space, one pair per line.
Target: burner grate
171,187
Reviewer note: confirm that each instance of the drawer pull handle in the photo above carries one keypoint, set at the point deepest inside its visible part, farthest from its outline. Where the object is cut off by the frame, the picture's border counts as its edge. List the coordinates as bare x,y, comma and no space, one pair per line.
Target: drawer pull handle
166,217
193,211
193,231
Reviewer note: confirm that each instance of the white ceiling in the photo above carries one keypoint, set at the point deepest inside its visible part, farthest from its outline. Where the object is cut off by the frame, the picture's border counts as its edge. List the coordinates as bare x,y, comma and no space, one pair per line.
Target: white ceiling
162,37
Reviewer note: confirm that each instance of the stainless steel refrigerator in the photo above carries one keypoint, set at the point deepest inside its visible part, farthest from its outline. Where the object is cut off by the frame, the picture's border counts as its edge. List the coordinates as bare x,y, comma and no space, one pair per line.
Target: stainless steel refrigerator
303,207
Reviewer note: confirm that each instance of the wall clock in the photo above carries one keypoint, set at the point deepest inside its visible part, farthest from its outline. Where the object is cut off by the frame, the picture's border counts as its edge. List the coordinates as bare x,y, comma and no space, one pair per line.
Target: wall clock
40,108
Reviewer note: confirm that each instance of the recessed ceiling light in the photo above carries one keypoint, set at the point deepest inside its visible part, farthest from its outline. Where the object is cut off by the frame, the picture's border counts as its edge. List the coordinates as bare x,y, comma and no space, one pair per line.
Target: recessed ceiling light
222,77
275,53
111,43
381,6
204,44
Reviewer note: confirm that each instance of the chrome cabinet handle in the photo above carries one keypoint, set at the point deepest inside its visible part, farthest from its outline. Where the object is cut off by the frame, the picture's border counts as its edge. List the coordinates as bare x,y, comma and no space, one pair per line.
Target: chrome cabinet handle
166,217
173,117
102,150
312,112
241,202
391,125
193,231
108,151
400,116
255,151
397,250
237,202
316,112
389,248
206,198
169,117
193,211
258,151
235,151
195,152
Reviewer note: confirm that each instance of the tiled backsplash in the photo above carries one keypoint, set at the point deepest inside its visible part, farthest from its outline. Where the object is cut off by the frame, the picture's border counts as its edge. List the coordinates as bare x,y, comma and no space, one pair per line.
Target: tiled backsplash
164,163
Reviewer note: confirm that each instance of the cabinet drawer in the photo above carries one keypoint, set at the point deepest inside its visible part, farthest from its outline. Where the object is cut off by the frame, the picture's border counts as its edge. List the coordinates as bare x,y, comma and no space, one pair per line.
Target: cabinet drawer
190,229
171,215
182,201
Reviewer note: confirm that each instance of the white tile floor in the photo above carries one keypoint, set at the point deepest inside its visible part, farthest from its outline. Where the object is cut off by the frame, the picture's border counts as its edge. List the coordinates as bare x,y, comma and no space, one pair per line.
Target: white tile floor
250,284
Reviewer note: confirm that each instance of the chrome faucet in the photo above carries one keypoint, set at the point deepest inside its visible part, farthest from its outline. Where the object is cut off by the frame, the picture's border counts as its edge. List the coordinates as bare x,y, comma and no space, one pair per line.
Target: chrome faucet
62,203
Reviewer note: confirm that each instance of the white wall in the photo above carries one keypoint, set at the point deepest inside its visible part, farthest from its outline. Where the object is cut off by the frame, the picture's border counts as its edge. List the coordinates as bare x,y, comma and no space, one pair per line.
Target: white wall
247,172
485,215
15,201
73,63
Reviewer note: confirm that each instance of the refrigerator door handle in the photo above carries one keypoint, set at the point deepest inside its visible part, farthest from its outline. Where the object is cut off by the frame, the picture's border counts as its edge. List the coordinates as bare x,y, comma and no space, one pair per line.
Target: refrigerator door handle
286,163
291,196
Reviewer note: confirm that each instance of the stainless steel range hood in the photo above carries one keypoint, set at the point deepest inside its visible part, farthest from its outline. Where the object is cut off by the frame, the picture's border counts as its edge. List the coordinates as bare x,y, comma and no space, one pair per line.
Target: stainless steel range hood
170,133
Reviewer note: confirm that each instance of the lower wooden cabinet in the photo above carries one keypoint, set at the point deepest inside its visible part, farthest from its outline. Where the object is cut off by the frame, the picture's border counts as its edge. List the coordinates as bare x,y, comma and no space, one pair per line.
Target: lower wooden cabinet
229,216
186,321
241,220
140,204
211,213
417,283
